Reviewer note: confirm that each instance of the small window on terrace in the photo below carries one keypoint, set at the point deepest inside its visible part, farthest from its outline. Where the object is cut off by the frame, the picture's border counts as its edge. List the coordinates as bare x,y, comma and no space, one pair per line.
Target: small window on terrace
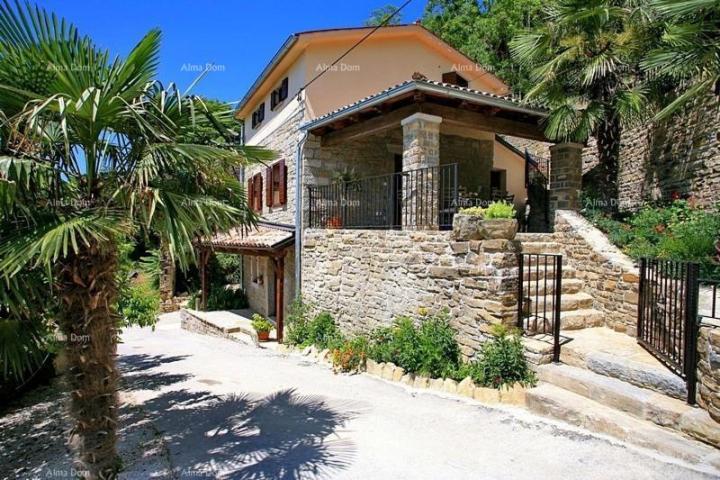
279,94
258,115
454,78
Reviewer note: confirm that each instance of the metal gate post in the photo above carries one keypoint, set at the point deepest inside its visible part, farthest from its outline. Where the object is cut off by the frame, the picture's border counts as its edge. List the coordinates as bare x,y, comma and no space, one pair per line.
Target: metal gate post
691,330
558,309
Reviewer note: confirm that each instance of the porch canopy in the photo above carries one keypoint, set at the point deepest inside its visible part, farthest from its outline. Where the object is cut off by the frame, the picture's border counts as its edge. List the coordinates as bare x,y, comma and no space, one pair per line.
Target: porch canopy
457,106
266,239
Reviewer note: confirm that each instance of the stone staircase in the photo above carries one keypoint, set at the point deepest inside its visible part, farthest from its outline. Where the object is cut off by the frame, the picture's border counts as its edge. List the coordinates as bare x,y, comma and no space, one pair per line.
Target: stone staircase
577,307
608,384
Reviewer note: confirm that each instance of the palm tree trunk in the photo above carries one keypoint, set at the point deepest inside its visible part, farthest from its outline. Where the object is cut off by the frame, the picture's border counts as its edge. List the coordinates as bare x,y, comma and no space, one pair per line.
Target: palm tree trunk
87,285
608,145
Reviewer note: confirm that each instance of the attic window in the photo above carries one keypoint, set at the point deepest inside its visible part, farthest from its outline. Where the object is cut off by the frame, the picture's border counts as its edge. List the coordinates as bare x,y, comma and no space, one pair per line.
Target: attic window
279,94
258,115
454,78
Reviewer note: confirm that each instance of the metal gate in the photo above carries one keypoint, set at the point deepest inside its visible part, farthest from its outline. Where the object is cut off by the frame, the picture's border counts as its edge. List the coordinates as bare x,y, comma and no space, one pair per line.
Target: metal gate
540,297
668,316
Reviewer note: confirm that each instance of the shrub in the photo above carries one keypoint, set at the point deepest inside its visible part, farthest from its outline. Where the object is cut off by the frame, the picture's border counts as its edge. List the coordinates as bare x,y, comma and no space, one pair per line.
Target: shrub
261,324
429,349
501,361
500,209
223,298
139,305
323,332
438,351
350,356
474,211
297,322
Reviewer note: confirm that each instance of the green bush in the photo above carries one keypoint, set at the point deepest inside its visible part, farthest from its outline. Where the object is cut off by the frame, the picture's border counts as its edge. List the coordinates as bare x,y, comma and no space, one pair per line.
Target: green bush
429,349
474,211
297,322
350,356
221,298
500,209
139,305
323,332
501,361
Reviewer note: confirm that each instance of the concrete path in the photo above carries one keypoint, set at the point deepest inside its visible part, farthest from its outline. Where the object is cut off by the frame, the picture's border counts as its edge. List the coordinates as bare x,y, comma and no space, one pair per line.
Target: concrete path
227,410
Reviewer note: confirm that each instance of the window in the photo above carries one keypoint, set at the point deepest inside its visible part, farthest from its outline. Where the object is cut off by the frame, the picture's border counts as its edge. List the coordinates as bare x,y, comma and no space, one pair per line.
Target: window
454,78
276,186
258,115
254,192
256,272
279,94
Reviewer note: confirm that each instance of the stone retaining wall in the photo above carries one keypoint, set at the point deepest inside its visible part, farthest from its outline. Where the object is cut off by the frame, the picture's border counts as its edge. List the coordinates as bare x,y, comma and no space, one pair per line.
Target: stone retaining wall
366,278
709,367
610,276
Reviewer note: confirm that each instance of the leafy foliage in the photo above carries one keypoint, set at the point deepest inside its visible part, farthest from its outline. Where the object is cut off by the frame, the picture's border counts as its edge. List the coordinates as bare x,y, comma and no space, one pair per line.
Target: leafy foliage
678,231
139,305
350,355
500,210
323,332
501,361
226,298
298,318
386,15
260,323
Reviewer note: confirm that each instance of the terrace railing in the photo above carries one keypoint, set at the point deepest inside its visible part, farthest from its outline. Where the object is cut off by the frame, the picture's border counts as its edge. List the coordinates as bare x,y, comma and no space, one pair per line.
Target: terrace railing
422,198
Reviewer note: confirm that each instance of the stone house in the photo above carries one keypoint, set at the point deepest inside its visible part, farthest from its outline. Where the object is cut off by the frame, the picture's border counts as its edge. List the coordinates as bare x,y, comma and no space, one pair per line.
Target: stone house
395,136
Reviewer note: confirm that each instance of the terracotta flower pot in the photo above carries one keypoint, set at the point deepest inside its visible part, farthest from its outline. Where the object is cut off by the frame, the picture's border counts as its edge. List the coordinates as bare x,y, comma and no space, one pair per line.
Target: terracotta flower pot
334,222
263,336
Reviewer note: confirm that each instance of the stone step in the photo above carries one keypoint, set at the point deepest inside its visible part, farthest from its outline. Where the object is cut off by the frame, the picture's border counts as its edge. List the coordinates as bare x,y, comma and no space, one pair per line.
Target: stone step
541,273
569,320
541,247
568,302
542,287
582,318
628,363
638,402
535,237
555,402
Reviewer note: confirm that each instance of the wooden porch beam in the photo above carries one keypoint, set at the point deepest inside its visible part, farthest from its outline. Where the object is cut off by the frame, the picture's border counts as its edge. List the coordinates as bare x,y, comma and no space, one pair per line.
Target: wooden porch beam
369,127
504,126
279,296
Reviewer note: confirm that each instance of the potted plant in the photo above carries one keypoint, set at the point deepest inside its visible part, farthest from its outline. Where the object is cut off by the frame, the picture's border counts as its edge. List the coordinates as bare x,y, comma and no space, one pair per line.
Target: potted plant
262,327
497,221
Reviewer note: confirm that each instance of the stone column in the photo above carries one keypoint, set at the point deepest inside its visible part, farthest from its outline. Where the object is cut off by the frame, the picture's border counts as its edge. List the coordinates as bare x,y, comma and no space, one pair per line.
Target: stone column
421,151
167,275
565,177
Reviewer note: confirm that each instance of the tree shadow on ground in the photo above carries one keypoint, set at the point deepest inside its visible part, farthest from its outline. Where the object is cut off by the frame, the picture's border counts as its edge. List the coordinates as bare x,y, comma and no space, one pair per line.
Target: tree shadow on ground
284,435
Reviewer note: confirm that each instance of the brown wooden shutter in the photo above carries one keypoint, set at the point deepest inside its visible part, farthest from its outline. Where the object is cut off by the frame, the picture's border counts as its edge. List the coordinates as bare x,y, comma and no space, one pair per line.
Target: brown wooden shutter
258,192
283,182
269,187
250,194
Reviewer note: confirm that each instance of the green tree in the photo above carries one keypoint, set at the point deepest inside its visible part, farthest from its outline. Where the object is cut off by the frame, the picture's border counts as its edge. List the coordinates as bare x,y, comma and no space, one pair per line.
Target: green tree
92,154
380,16
483,31
689,50
585,64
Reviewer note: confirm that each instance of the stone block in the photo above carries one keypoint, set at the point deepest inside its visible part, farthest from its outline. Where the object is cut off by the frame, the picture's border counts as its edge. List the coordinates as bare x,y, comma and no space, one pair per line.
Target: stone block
466,387
450,386
421,382
486,395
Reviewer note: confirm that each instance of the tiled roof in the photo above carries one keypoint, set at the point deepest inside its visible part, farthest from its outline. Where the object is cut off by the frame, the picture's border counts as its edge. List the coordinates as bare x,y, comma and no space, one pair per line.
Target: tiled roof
511,101
265,236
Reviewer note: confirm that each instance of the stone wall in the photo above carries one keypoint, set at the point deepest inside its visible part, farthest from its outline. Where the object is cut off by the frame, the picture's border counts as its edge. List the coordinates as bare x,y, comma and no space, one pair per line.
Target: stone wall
681,156
367,278
610,276
709,367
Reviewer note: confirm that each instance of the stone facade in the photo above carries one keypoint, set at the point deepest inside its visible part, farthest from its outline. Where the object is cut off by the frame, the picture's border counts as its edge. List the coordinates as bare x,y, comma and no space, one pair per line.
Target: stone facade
610,276
681,157
367,278
565,177
709,367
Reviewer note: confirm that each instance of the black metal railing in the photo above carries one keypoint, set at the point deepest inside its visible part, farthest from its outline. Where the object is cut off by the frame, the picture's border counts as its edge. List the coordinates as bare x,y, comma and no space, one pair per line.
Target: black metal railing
423,198
540,297
709,300
668,316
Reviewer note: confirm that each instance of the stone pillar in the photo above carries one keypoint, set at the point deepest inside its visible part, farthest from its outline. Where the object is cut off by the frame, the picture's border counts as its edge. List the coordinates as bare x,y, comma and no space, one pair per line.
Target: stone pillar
565,177
421,159
167,275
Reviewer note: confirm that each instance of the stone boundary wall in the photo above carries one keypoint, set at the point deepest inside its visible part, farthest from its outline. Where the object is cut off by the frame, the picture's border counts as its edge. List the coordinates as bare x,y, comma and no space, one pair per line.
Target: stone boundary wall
366,278
610,276
709,367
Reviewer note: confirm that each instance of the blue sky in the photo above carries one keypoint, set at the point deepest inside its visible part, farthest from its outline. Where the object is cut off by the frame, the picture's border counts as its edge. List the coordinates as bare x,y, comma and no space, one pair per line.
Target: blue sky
240,36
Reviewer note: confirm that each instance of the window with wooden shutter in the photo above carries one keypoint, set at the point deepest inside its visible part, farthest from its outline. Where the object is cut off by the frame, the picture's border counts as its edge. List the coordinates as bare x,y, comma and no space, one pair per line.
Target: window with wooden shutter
279,94
283,183
269,186
251,193
277,174
255,185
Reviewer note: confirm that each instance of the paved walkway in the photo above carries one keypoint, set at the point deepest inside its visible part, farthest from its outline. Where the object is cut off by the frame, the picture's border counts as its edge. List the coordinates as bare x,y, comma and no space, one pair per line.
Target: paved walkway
227,410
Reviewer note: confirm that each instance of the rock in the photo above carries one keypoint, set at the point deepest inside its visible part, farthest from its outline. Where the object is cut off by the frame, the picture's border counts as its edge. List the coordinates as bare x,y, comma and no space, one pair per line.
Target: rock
398,373
514,395
436,384
408,379
449,386
486,395
388,371
466,387
325,356
498,228
308,350
466,227
421,382
372,367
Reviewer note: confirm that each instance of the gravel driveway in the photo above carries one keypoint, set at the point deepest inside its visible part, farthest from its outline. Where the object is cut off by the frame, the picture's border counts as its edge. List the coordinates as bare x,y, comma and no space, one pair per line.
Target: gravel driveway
226,410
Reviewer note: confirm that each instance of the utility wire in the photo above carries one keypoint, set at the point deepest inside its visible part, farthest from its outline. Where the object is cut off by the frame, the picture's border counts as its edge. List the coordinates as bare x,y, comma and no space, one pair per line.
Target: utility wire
382,24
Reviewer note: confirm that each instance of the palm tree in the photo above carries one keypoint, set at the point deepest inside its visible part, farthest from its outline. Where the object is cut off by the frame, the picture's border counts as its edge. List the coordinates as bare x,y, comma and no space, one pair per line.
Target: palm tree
689,52
585,60
90,155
